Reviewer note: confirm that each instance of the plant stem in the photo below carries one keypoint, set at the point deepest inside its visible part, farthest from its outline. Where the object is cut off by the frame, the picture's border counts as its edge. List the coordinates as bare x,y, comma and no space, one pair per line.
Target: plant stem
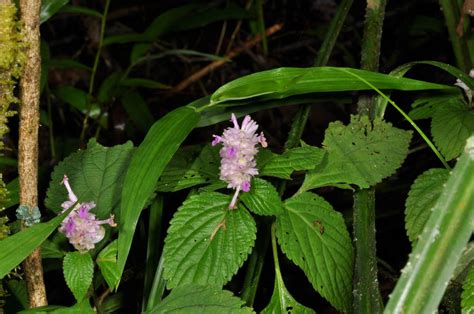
322,59
366,292
461,52
94,71
28,140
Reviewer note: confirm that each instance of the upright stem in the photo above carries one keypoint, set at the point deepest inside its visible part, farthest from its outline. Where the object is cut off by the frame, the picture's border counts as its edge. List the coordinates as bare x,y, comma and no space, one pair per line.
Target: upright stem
366,292
461,51
94,71
28,140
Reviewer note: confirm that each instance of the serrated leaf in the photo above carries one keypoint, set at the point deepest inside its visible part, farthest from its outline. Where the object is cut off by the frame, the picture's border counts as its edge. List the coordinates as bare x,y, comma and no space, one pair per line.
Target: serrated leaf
467,296
78,269
361,153
423,195
314,236
200,299
262,199
425,107
107,262
207,242
296,159
189,167
96,174
451,126
283,302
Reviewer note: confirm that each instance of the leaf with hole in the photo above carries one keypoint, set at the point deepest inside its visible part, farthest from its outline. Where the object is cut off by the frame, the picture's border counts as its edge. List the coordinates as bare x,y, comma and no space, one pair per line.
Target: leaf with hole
78,269
361,153
314,236
423,195
207,242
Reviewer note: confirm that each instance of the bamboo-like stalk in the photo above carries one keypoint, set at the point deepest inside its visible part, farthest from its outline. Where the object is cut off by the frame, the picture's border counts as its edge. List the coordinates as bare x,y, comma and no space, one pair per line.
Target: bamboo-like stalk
366,292
28,140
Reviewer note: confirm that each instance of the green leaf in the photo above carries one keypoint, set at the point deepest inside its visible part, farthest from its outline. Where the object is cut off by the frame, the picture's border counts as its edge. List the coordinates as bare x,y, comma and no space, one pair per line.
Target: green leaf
72,96
109,87
66,64
200,299
15,248
137,110
96,174
141,82
283,302
49,8
296,159
467,296
147,164
189,167
433,260
285,82
107,262
74,9
451,126
262,199
207,242
361,153
423,195
78,269
314,236
425,107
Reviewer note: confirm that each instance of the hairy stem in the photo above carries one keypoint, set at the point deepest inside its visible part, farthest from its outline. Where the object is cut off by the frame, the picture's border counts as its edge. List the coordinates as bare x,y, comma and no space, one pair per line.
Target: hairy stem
28,140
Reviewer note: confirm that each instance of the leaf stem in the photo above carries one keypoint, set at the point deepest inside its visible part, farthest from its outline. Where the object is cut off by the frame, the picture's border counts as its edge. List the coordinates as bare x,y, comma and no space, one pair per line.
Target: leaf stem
94,71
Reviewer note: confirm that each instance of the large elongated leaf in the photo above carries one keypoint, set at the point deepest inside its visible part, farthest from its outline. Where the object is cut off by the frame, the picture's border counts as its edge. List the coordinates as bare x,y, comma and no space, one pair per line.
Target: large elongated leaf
314,236
451,126
78,269
285,82
301,158
96,174
200,299
146,166
434,258
50,7
15,248
361,153
263,198
422,197
207,242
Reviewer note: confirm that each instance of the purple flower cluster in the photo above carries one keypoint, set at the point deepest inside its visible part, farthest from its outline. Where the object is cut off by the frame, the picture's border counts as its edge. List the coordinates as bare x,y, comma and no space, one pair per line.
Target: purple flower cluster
238,164
82,227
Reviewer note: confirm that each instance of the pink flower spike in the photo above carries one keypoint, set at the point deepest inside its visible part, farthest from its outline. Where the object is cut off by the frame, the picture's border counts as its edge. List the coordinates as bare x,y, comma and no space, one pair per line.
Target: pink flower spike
238,164
72,197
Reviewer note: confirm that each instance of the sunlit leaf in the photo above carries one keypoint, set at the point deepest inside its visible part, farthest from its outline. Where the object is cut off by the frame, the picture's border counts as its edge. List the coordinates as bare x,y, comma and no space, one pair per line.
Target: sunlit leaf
423,195
314,236
95,174
361,153
78,269
200,299
207,242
